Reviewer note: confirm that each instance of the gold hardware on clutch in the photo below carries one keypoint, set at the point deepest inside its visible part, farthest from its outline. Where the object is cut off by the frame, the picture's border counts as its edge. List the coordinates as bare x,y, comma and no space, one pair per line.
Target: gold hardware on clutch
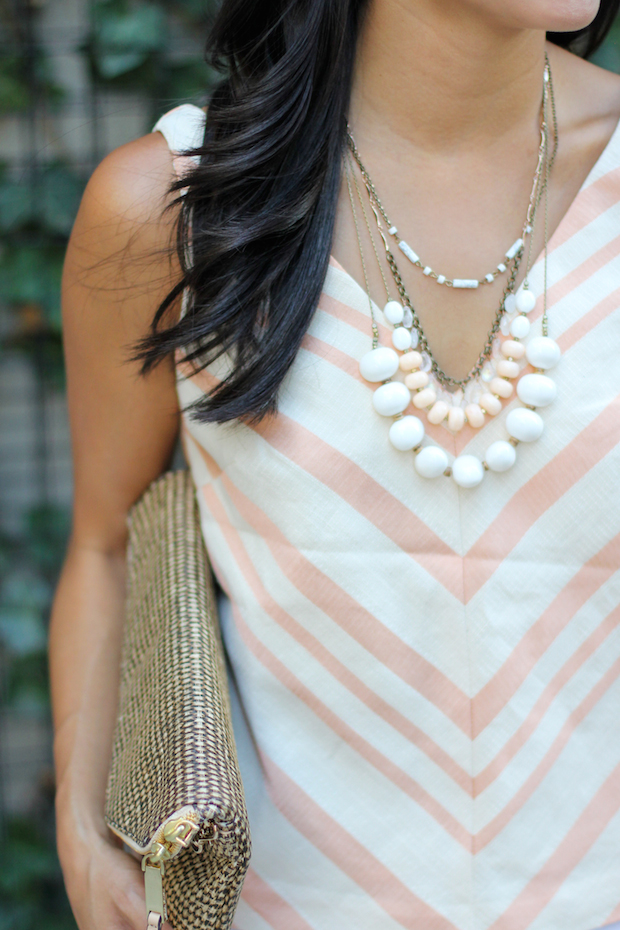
154,891
177,834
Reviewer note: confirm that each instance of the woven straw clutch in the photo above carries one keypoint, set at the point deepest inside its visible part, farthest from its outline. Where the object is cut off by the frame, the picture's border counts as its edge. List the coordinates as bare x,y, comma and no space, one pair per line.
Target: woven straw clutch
174,792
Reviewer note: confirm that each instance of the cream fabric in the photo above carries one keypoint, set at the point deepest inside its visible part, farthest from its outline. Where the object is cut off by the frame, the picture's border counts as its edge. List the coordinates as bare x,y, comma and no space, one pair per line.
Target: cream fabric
429,676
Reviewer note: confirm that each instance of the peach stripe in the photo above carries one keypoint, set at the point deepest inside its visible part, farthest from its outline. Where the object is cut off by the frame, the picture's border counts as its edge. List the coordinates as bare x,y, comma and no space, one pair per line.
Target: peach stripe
360,624
417,737
348,314
277,912
582,272
543,490
613,917
375,758
590,203
350,856
334,356
350,366
341,672
499,823
356,487
498,691
559,681
580,838
589,321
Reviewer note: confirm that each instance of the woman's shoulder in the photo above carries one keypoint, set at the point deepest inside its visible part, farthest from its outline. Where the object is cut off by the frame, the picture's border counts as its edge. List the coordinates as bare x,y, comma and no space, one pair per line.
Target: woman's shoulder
132,182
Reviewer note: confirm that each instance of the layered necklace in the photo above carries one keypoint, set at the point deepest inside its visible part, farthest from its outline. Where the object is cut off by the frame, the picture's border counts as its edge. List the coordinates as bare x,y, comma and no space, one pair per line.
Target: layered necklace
508,349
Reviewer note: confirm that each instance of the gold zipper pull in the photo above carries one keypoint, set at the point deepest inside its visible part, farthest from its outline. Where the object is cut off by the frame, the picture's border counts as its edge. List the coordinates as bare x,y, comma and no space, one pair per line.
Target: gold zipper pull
177,834
154,891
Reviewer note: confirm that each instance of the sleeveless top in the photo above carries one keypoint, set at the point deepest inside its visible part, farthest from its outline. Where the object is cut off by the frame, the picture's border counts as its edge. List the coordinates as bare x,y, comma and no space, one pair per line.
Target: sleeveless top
428,677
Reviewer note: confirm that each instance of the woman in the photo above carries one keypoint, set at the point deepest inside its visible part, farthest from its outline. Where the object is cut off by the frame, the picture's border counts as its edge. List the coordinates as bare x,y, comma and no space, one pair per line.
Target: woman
428,670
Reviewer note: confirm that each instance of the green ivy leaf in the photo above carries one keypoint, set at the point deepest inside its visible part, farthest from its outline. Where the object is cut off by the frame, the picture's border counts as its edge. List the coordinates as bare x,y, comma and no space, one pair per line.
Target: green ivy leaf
190,80
31,273
197,11
16,202
126,37
22,630
61,194
14,91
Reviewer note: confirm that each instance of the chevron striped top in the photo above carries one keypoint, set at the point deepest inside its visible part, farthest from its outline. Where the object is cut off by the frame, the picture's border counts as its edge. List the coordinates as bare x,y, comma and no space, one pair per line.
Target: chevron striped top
429,713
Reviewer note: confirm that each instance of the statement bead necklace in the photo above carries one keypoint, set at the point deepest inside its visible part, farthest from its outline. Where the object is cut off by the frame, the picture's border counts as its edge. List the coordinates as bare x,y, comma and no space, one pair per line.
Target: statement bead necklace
510,356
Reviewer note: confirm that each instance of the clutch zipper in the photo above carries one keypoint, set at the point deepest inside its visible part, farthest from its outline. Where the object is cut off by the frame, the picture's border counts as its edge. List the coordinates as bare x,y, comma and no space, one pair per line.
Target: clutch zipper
174,835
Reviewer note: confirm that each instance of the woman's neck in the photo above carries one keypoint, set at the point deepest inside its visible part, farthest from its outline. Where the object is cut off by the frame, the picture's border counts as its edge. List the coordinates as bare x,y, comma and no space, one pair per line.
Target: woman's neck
444,76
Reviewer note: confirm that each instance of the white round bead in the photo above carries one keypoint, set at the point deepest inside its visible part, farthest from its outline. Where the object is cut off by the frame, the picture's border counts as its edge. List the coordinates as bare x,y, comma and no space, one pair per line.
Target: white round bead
524,425
509,303
467,471
390,399
406,434
520,327
500,456
431,462
525,301
543,352
394,312
401,338
379,364
536,390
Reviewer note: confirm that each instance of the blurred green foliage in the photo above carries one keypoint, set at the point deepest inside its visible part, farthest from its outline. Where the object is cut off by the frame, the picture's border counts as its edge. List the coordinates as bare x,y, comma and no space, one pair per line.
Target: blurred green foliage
16,83
129,42
31,886
31,890
129,49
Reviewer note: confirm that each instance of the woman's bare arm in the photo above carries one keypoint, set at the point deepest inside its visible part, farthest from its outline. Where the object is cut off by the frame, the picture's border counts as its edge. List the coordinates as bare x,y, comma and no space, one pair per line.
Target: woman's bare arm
124,426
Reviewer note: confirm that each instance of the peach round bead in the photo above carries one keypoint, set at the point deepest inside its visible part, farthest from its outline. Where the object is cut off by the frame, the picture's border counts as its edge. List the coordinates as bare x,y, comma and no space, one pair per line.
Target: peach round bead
475,416
410,360
506,369
491,404
501,387
438,412
456,419
512,349
424,398
416,380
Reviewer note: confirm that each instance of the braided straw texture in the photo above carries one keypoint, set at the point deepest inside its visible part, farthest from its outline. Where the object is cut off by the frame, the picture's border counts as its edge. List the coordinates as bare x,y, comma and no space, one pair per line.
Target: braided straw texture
174,745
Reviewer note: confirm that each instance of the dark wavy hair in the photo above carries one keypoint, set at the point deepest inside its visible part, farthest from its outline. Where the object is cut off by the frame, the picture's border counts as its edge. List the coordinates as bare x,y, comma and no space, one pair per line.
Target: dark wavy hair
261,205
